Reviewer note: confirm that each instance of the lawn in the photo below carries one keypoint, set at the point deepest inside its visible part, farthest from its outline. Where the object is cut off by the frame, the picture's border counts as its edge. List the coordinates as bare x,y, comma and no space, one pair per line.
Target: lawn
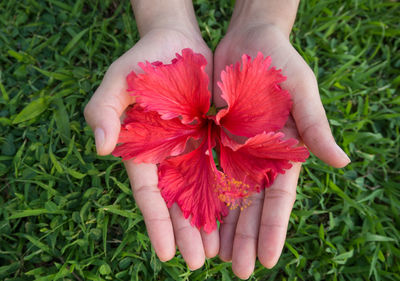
68,214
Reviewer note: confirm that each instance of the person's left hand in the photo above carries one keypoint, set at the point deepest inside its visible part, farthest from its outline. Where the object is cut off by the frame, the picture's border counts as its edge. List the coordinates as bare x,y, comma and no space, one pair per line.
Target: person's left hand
260,230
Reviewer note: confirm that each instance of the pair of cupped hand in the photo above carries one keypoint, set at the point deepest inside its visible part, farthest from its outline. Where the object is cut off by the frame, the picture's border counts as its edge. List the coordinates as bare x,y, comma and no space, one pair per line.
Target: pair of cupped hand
259,230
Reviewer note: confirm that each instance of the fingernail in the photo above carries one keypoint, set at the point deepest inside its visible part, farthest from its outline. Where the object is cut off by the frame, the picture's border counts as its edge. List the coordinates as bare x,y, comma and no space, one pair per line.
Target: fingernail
343,154
99,138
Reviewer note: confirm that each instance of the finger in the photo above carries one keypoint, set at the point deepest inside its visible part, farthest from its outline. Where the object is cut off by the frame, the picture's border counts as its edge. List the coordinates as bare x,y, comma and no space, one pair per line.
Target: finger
310,116
278,203
105,108
144,180
227,234
188,239
210,243
245,242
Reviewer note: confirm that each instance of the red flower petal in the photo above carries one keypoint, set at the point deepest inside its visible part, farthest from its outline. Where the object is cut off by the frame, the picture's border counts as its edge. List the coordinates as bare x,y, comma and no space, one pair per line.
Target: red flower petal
190,181
148,138
256,102
258,161
179,89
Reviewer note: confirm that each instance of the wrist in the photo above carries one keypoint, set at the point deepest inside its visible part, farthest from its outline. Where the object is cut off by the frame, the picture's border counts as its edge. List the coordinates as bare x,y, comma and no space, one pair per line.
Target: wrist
166,14
277,13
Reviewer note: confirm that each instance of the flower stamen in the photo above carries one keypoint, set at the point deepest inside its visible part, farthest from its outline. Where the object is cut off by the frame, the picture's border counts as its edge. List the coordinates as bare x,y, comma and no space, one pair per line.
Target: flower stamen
233,192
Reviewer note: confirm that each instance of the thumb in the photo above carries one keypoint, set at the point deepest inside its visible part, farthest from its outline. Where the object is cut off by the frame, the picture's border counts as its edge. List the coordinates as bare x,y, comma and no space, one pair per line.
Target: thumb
312,123
104,109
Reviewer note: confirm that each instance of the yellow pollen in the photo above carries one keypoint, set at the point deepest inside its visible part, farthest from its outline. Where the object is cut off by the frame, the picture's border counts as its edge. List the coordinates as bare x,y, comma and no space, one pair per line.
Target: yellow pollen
233,192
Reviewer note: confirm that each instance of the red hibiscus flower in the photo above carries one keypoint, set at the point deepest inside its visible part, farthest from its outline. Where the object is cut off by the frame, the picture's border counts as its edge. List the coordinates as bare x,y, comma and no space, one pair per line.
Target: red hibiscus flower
171,125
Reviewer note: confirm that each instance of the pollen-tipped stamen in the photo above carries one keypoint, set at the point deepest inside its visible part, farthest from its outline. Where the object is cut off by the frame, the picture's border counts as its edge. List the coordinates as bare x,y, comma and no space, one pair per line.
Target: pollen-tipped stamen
233,192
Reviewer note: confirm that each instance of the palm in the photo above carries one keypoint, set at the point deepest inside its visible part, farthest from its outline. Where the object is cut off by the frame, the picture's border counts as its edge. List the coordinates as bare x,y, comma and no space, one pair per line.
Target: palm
164,226
266,219
162,45
271,42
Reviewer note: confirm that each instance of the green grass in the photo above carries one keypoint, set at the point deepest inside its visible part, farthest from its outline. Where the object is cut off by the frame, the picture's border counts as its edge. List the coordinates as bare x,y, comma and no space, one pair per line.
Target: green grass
66,213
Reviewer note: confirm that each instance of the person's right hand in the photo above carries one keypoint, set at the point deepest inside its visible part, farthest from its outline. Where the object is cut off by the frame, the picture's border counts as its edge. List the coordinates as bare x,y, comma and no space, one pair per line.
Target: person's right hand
165,226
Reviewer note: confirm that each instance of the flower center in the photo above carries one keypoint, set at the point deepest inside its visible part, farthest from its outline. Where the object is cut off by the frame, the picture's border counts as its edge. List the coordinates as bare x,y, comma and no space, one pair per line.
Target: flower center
212,111
233,192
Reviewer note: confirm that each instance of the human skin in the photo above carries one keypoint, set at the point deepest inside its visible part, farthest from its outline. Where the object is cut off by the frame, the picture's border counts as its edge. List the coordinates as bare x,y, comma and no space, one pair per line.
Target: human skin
260,230
167,27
